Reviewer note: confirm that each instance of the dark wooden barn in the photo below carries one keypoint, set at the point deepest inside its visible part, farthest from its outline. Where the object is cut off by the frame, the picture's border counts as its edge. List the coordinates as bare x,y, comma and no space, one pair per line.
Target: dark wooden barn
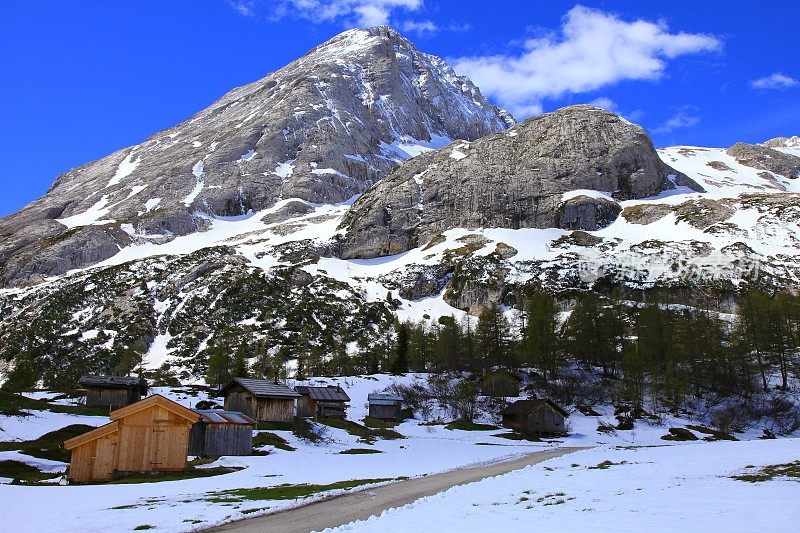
151,435
322,402
535,417
500,384
113,391
384,406
219,433
260,399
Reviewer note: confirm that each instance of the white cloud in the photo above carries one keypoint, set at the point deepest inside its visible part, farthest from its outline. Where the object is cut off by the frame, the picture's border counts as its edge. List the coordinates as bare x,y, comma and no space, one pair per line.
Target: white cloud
594,49
606,103
685,117
351,13
774,81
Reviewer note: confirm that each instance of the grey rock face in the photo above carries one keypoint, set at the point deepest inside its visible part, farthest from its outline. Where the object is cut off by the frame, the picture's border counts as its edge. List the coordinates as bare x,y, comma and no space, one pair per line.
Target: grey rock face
765,158
514,179
322,129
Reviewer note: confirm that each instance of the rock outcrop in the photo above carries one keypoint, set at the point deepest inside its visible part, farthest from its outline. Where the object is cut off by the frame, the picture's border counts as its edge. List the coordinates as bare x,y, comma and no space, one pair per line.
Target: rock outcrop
765,158
321,129
515,179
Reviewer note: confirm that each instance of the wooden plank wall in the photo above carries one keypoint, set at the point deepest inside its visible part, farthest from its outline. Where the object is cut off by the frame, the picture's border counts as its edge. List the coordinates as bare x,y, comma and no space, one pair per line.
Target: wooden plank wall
274,409
153,440
94,461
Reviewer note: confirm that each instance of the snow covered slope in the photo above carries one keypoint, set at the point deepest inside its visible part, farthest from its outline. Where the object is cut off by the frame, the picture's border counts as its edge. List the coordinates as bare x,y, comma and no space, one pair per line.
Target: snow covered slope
272,276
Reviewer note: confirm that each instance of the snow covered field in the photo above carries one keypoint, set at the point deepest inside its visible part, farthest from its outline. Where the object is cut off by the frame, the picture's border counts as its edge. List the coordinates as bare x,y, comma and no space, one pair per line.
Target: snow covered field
666,487
685,487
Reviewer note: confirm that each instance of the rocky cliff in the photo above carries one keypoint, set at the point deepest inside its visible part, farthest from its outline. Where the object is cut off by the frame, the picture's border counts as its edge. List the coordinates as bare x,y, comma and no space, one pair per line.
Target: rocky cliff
565,169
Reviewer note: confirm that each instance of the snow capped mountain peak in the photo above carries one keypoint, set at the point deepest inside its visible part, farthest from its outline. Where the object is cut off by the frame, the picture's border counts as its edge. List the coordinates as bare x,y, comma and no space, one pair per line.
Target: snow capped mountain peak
322,129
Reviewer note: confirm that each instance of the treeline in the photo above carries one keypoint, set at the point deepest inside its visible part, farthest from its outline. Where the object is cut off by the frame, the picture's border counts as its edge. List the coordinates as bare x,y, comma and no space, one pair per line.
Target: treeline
662,351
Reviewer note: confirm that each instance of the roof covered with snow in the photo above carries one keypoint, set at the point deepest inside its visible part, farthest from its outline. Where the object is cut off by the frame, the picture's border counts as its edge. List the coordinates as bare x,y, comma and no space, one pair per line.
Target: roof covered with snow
383,398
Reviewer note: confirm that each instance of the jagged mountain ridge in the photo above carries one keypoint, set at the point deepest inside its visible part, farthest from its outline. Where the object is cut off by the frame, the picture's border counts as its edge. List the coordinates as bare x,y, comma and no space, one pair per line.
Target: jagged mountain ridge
322,129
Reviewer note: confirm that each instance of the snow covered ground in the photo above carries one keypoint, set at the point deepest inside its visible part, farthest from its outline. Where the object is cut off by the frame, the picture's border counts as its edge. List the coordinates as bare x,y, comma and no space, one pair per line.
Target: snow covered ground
664,487
685,487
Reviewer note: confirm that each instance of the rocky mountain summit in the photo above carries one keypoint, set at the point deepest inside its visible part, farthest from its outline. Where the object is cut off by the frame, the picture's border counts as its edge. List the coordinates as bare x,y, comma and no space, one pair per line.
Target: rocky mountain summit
565,169
320,129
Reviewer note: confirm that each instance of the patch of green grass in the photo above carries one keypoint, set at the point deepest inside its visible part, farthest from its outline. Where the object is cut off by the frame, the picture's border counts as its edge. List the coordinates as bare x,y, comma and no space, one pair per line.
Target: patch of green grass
359,451
22,472
364,434
679,434
16,404
713,434
605,465
157,477
286,491
469,425
517,436
50,445
300,427
770,472
371,422
265,438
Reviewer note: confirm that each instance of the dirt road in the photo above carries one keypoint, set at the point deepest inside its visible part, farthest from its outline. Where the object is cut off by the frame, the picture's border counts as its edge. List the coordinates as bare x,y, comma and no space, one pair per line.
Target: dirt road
362,504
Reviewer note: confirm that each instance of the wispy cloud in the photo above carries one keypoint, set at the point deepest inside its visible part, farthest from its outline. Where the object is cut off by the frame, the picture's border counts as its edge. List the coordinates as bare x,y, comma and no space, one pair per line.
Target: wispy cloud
685,117
775,81
246,8
420,27
593,49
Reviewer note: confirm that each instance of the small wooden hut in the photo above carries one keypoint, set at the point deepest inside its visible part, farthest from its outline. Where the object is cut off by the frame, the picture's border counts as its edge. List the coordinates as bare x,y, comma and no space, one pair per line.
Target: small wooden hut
535,417
260,399
384,406
219,433
151,435
113,391
500,383
322,402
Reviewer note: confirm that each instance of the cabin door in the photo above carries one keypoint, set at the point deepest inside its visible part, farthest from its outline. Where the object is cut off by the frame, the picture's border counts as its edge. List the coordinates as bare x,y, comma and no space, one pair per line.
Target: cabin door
158,448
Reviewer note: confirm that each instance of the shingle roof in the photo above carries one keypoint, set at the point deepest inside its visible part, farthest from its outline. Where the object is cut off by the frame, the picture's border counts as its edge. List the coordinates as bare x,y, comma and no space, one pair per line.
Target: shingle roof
523,407
216,416
262,388
376,398
324,394
112,382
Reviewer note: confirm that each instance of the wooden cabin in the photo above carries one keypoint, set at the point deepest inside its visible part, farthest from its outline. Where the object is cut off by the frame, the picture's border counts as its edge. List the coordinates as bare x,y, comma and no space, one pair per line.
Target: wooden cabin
500,384
113,391
535,417
384,406
219,433
151,435
322,402
260,399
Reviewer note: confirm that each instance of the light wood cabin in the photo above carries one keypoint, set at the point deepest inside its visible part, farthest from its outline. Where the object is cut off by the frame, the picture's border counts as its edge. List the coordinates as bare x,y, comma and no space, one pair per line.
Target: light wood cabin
149,436
260,399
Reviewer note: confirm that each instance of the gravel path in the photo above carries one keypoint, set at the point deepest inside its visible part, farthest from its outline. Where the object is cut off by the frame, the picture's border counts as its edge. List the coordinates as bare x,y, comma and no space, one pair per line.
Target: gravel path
360,505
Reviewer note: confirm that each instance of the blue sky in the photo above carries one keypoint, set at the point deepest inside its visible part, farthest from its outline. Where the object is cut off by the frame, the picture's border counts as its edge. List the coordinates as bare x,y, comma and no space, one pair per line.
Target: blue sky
81,79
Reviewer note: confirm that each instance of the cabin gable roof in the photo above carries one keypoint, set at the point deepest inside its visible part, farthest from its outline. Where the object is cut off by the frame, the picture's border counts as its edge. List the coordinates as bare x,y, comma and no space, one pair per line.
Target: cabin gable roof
151,401
526,407
89,436
261,388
